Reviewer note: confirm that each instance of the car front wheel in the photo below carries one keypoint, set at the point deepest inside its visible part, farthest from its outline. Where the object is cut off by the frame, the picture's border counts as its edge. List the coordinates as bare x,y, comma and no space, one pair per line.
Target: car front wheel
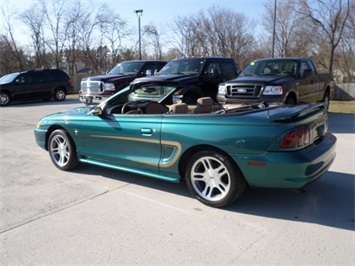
62,150
59,95
214,179
4,98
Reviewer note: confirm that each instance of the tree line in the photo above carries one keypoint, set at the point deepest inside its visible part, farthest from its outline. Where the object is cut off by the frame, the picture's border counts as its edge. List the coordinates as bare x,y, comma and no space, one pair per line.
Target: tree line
78,37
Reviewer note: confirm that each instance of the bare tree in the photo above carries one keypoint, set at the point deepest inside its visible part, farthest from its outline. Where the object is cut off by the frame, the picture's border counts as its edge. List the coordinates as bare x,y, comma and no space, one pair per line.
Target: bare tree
54,12
219,32
331,17
33,18
155,39
114,30
287,26
346,56
7,16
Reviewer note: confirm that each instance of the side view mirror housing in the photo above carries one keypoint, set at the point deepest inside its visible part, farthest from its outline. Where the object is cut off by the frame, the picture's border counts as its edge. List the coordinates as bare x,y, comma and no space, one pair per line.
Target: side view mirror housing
97,111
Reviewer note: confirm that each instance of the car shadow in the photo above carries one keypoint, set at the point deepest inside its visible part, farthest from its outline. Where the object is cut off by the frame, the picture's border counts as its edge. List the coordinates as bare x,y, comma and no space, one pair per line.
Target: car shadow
329,201
341,123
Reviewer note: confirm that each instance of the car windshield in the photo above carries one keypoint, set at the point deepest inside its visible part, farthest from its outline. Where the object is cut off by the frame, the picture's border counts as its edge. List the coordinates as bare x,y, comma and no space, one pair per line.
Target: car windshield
156,93
141,92
270,68
191,66
8,78
126,68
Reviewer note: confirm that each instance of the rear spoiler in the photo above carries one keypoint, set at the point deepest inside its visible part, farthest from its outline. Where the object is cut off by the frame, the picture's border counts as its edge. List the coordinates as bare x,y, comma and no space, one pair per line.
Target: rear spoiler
288,113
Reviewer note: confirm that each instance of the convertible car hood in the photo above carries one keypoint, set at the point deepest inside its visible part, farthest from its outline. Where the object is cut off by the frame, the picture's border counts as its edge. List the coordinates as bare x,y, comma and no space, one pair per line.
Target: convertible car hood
74,112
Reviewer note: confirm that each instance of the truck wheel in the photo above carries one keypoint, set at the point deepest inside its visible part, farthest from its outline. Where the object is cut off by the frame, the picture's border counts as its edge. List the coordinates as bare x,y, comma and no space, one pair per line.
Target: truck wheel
290,101
326,100
213,179
5,98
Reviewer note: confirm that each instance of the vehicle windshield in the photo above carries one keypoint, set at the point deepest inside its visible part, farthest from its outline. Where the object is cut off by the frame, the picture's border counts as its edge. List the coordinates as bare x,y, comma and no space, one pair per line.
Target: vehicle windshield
126,68
190,66
156,93
142,92
8,78
270,68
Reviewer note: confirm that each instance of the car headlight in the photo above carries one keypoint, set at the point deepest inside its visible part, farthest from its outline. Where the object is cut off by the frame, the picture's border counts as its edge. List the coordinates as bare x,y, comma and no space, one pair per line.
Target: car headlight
222,89
109,87
273,90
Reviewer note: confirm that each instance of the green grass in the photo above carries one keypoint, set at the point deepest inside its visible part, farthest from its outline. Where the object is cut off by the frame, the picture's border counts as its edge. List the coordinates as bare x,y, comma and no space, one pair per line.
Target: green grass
344,107
73,96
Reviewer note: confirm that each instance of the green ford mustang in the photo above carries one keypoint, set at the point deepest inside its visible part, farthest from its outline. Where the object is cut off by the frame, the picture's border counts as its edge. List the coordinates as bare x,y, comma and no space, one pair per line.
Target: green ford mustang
218,150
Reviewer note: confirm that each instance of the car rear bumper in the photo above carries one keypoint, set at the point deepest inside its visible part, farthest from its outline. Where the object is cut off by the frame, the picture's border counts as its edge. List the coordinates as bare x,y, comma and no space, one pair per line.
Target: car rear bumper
289,169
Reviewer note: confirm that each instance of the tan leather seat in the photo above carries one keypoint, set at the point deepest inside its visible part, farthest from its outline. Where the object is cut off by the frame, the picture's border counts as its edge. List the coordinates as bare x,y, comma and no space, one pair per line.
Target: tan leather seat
204,105
179,108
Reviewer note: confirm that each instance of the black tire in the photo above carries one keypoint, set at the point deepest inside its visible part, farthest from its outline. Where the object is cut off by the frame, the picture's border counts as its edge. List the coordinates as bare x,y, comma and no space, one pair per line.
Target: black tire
59,94
326,100
5,98
290,101
214,179
62,150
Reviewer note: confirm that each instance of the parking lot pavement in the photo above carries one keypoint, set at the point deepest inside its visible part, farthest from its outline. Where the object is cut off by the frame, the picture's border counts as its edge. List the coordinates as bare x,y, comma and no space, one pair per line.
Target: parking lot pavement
101,216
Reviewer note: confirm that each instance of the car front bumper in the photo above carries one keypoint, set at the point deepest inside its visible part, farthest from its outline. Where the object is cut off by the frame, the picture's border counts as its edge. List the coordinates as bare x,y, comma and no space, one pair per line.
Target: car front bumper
92,99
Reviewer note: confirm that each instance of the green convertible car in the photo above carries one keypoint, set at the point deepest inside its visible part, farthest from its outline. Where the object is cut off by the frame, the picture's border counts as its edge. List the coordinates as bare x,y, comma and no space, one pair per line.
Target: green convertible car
218,150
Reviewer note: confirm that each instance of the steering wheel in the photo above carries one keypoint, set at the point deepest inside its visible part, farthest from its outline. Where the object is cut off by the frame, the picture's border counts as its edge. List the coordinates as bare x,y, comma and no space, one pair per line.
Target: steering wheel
136,108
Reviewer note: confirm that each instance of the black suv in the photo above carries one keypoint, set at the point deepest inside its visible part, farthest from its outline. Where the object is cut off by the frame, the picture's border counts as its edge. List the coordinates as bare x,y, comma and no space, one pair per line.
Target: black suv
35,84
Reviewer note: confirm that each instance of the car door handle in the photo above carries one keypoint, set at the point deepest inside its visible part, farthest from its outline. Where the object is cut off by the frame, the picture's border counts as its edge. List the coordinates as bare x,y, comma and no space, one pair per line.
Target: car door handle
147,131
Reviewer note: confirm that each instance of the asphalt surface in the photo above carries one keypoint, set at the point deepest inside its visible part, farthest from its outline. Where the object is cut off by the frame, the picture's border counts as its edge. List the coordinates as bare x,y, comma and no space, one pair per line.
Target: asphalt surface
101,216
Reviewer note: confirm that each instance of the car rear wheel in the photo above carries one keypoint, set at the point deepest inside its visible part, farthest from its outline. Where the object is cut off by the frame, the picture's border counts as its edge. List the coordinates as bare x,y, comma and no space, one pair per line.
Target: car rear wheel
4,98
62,150
59,94
214,179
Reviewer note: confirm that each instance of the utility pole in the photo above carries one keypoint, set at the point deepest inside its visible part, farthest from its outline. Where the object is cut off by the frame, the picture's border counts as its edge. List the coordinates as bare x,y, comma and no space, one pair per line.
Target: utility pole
274,30
139,13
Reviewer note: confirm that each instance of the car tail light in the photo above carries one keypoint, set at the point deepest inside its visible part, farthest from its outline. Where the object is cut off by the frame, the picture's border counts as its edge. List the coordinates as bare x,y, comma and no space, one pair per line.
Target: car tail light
289,140
296,138
70,83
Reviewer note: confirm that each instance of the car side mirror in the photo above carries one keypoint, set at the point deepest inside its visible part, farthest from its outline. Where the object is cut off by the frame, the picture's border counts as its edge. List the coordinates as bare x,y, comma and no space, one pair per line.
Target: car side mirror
97,111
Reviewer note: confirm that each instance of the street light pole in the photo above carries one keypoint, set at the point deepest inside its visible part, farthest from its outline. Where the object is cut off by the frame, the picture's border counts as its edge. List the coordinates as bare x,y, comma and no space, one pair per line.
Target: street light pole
274,30
139,13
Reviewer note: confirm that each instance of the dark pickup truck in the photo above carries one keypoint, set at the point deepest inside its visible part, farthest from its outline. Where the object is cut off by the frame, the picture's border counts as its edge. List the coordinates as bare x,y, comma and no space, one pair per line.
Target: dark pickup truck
195,76
95,89
288,80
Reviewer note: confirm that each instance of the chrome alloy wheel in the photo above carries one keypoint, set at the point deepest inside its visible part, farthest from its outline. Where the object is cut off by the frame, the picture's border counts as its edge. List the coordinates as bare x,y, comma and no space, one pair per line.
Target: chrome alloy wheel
59,150
210,178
